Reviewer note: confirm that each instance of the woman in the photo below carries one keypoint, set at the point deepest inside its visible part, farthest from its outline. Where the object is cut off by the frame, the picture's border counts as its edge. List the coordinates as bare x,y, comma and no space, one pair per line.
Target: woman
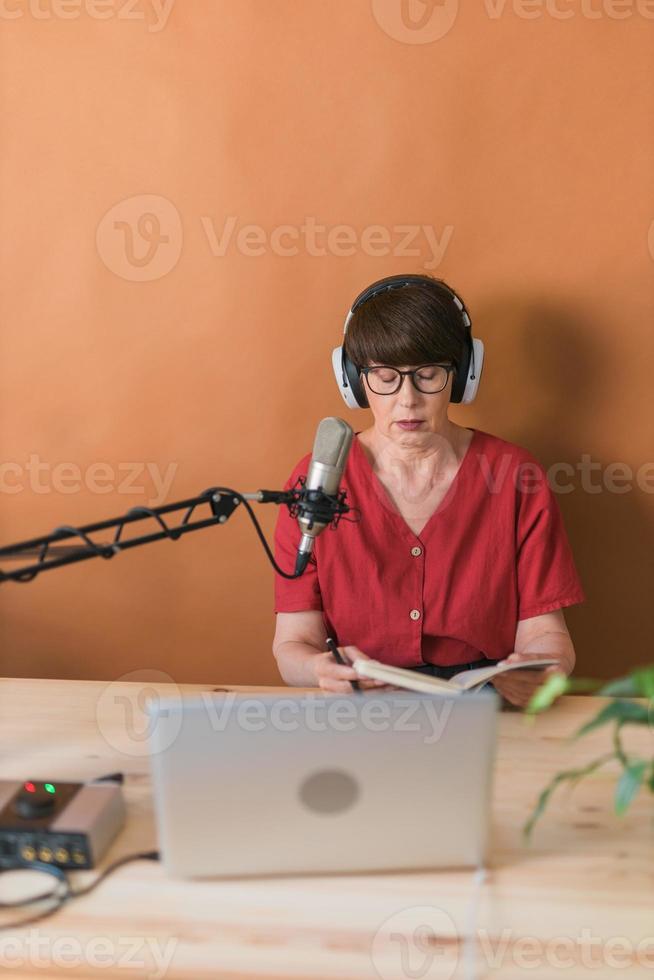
460,557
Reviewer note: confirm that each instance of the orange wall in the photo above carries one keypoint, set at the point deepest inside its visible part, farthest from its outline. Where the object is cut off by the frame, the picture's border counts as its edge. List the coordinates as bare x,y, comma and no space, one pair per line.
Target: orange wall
520,139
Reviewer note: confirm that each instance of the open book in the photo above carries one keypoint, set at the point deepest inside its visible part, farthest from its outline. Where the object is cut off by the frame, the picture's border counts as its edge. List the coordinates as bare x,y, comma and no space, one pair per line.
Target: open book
466,680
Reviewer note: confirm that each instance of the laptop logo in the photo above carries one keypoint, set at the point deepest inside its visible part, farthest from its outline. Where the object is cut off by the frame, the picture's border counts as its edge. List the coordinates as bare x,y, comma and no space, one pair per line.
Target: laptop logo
329,791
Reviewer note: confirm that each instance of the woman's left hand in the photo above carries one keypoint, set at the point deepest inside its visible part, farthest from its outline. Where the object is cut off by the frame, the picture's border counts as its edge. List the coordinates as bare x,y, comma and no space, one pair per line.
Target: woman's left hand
518,686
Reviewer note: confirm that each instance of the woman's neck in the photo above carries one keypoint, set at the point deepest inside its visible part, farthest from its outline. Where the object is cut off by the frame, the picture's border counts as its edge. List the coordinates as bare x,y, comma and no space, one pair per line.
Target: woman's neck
440,452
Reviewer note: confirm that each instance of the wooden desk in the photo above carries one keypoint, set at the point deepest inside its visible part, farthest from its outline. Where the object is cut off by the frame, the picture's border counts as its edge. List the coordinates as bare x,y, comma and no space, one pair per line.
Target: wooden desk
585,886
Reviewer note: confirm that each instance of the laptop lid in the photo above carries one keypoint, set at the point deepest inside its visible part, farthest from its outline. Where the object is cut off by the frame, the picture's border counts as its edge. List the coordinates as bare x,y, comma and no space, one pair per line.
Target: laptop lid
257,784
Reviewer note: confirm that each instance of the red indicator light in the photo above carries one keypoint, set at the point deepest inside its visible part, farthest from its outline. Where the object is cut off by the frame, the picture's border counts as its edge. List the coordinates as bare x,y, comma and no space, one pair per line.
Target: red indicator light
30,787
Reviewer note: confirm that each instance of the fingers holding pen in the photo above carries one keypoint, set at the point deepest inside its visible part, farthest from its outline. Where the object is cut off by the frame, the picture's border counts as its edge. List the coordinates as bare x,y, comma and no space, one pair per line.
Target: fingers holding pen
336,674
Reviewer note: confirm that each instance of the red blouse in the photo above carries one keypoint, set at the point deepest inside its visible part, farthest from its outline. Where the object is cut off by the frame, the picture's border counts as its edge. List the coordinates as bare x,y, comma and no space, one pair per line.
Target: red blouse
495,551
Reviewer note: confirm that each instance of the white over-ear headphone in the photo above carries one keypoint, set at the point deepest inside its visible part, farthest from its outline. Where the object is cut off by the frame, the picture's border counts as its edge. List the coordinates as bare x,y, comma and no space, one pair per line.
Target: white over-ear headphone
466,379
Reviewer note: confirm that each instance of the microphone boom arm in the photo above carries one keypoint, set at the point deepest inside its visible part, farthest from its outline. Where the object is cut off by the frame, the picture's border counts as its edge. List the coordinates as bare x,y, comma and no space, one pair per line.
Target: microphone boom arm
222,503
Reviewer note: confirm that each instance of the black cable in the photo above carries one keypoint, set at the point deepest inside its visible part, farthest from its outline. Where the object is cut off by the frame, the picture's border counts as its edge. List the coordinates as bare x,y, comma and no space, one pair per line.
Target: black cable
127,859
37,866
266,547
111,777
336,515
68,892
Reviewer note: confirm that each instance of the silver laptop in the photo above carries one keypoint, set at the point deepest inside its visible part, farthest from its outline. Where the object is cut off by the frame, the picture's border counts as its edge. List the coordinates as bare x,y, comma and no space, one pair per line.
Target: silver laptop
248,785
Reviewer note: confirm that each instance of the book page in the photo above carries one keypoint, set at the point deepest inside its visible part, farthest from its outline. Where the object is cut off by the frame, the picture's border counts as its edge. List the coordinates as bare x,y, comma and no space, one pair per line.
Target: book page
467,679
408,679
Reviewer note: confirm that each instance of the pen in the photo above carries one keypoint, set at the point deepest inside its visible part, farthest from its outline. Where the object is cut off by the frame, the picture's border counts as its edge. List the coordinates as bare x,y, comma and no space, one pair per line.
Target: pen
339,660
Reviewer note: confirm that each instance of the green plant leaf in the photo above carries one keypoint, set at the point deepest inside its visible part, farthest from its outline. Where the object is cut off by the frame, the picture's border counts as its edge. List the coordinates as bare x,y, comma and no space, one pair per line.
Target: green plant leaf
623,687
644,680
620,710
628,785
547,693
568,774
639,683
581,684
550,690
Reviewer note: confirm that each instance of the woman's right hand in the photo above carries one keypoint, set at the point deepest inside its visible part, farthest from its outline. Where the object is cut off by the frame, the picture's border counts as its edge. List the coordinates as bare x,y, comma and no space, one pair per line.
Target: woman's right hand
335,678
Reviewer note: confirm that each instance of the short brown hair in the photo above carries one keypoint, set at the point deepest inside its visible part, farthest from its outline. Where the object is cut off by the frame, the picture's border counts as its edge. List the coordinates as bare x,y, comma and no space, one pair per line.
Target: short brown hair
415,324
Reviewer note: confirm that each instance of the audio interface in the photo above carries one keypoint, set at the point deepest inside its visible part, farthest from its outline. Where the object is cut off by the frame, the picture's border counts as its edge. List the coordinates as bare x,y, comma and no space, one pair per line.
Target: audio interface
69,825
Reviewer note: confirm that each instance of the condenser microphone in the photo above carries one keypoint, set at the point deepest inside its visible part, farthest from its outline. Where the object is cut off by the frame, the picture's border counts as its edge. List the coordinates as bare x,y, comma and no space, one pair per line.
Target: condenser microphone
330,451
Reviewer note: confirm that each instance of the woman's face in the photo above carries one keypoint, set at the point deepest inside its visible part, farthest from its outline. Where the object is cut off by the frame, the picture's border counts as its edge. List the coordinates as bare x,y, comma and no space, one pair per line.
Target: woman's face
427,412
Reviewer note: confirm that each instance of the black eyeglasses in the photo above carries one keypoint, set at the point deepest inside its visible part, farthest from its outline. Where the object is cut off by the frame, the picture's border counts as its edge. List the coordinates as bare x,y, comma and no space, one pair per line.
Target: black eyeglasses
428,378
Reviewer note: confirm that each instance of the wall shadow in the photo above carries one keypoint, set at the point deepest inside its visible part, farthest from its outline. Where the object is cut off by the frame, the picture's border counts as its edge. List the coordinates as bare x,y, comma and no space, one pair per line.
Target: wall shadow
547,385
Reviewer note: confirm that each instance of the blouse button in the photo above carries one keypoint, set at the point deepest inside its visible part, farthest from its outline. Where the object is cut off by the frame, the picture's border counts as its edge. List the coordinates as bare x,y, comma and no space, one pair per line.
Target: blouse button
416,552
415,614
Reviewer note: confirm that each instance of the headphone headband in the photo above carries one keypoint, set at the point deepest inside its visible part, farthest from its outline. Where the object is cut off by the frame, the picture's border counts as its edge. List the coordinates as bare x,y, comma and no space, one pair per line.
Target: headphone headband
397,282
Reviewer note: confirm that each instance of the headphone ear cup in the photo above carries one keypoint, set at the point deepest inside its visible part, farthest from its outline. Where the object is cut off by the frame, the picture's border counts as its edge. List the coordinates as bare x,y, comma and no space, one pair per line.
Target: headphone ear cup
466,380
460,377
472,383
348,380
354,380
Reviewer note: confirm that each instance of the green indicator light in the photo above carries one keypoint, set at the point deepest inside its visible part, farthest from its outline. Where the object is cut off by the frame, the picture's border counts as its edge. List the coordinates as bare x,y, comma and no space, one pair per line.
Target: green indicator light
49,787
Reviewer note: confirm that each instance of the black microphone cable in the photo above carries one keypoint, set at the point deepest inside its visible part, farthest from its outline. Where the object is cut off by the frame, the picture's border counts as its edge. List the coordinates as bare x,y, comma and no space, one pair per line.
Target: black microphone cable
63,891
